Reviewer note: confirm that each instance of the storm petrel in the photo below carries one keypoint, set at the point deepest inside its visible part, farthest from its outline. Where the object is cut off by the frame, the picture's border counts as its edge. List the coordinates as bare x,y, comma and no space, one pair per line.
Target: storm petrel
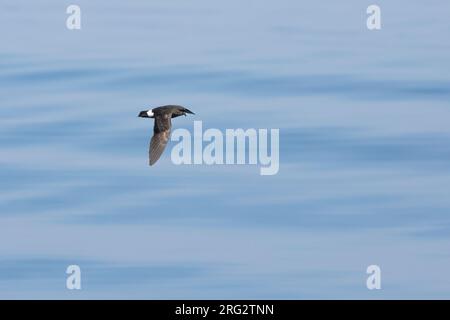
161,128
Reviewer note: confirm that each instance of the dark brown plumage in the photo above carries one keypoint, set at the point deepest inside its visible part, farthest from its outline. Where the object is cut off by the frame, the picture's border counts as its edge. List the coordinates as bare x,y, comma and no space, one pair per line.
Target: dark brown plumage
161,129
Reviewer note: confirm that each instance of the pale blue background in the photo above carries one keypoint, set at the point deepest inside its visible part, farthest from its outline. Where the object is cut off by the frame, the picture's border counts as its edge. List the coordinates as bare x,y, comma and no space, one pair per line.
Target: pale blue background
364,179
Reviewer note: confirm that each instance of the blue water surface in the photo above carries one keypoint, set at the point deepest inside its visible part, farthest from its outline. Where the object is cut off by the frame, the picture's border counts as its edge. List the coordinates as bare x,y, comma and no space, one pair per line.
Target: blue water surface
364,150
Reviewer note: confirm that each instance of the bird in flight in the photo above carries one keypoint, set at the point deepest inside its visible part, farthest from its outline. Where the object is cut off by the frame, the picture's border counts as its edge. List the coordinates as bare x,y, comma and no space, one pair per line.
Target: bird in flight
161,128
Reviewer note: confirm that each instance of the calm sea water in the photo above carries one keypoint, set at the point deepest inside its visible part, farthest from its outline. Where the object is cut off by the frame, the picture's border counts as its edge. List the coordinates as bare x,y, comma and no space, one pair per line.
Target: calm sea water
364,150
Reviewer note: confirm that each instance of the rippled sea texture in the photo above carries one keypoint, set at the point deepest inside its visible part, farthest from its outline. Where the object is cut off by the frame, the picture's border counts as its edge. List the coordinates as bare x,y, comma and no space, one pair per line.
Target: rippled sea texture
364,149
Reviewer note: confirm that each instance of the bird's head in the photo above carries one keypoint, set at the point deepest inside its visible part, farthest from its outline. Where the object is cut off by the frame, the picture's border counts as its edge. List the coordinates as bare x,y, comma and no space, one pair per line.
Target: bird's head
185,111
146,114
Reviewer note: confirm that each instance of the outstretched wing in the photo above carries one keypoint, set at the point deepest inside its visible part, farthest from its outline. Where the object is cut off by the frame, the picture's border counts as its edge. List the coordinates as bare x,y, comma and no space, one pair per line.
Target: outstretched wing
161,135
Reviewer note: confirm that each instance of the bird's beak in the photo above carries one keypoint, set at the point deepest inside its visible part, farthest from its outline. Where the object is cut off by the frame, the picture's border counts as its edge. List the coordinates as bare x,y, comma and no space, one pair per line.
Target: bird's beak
143,114
188,111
